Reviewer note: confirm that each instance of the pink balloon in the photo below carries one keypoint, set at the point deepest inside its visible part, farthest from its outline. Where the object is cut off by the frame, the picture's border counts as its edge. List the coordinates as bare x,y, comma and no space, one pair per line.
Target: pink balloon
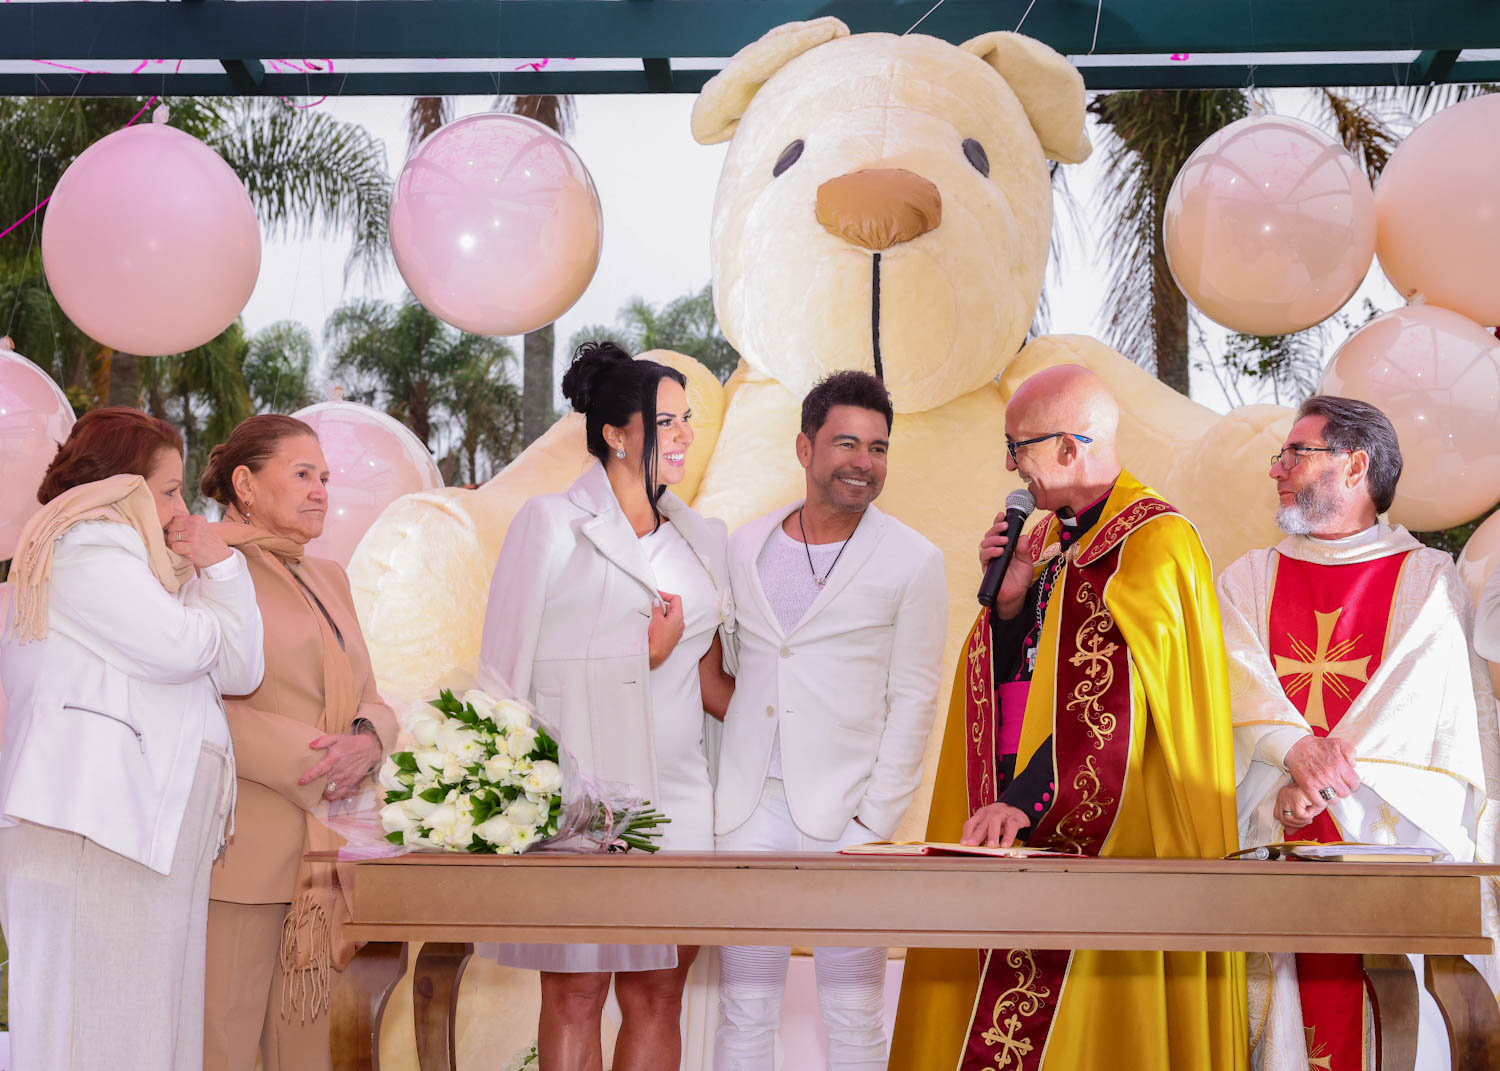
1269,226
1481,554
1438,209
496,225
1436,375
35,418
150,242
372,461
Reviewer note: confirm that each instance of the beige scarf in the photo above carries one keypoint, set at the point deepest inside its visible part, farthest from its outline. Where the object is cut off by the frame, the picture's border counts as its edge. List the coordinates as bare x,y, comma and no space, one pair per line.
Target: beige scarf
312,943
123,499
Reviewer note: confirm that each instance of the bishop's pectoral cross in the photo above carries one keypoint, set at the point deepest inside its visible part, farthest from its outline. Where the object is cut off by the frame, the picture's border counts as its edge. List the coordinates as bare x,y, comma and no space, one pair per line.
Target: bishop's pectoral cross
1326,665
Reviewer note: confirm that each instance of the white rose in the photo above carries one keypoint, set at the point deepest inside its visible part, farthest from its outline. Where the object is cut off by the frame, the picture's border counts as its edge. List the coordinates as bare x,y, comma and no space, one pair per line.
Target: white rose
425,733
458,740
498,767
455,770
512,714
523,814
483,705
396,818
423,722
544,778
390,777
418,807
521,741
430,760
496,830
451,825
524,841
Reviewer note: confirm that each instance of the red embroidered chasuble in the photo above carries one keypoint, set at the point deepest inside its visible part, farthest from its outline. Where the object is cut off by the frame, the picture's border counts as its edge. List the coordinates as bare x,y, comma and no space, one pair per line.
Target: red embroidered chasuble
1326,633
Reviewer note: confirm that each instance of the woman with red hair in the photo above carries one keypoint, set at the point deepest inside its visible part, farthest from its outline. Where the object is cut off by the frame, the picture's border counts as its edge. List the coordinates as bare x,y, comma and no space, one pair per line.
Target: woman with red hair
128,618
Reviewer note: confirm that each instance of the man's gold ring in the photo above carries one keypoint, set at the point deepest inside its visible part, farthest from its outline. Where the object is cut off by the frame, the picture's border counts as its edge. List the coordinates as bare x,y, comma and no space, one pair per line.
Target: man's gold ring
1287,813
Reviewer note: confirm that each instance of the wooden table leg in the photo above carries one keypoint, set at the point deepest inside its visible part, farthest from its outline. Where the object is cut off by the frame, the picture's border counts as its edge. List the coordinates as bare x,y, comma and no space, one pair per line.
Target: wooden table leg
1469,1011
359,1002
434,995
1396,1010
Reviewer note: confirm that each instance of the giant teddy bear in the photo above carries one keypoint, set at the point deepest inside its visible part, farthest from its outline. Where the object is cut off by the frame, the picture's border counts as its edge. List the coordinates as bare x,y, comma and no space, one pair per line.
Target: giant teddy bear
885,204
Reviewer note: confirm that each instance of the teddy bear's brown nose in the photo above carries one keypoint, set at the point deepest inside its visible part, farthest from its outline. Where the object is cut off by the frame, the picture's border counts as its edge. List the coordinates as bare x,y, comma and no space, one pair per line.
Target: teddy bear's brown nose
879,207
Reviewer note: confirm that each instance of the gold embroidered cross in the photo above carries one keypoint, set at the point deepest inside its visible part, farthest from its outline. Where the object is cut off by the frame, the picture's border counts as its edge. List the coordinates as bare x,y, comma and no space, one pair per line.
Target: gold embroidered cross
1387,825
1317,1052
1313,669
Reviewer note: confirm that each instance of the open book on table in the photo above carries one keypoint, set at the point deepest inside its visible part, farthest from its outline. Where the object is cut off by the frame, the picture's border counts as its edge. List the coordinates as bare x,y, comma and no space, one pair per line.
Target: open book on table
931,847
1343,852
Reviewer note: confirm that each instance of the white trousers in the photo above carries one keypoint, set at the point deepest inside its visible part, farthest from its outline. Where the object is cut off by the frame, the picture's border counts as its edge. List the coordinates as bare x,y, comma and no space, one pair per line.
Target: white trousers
752,980
107,955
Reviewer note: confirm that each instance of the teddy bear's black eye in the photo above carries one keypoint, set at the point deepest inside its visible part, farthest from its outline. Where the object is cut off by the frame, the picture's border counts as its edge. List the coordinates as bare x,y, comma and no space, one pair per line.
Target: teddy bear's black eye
977,156
789,156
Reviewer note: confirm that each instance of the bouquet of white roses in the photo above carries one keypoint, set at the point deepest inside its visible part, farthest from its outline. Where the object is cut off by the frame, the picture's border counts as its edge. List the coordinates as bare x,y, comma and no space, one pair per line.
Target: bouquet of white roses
485,777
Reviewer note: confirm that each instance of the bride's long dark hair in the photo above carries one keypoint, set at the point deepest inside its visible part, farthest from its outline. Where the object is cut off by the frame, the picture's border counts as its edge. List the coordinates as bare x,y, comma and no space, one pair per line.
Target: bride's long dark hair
608,387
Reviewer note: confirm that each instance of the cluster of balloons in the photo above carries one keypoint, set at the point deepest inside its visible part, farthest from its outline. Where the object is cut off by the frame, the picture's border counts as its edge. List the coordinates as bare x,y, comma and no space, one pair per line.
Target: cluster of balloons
1271,226
152,247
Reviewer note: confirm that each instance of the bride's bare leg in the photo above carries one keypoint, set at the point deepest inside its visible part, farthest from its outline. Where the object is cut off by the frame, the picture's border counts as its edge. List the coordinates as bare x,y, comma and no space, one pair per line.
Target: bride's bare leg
651,1012
572,1005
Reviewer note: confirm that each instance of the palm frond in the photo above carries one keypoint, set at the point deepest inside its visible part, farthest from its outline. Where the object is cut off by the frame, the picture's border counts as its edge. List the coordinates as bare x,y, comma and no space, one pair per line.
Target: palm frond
308,172
1363,126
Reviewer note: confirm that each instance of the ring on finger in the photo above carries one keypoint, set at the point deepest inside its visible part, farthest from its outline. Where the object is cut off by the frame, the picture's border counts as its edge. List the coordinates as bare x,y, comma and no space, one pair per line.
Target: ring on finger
1327,793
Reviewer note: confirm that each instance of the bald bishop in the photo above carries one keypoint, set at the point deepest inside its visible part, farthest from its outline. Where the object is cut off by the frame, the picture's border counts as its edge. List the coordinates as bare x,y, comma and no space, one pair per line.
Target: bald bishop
1360,713
1090,716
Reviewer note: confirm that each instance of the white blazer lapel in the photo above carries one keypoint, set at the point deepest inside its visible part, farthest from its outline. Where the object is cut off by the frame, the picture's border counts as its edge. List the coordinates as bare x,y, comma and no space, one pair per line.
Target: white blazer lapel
753,546
608,529
861,545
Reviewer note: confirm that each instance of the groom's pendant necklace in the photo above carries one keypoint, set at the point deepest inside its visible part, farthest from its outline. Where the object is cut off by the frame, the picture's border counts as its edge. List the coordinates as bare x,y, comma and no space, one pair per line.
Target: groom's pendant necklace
819,580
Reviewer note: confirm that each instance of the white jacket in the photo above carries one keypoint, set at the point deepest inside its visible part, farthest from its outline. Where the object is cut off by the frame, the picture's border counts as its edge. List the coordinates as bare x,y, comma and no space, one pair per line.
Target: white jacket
107,712
853,687
567,619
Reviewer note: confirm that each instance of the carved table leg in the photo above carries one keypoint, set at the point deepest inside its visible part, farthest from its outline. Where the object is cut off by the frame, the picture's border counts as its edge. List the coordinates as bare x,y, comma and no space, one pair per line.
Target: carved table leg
434,996
1396,1010
1469,1011
359,1002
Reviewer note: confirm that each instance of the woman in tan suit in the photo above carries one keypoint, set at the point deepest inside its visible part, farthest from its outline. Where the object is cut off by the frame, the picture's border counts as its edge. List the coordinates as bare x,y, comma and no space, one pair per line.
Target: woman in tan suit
313,731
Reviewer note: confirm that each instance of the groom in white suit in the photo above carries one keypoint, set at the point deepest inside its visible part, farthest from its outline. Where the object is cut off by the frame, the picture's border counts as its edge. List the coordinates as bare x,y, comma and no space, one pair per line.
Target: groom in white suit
842,612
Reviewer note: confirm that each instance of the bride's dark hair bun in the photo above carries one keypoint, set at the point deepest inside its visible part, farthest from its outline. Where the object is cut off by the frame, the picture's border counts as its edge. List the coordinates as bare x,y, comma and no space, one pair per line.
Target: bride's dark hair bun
591,362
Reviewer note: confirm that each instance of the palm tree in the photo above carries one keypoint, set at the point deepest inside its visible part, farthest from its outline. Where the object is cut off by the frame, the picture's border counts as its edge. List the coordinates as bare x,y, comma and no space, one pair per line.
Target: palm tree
306,172
401,358
485,413
686,324
278,368
201,391
1152,133
557,113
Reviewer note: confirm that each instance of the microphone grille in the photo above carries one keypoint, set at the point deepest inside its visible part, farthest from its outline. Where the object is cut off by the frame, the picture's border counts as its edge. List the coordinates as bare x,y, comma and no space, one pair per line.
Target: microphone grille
1022,500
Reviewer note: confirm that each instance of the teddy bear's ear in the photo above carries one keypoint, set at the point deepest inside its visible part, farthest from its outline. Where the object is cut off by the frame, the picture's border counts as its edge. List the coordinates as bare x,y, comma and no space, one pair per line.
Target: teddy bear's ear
1049,87
724,99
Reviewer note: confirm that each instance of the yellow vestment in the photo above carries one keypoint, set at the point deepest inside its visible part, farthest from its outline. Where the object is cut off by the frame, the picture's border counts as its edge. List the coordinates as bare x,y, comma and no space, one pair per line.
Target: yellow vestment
1130,677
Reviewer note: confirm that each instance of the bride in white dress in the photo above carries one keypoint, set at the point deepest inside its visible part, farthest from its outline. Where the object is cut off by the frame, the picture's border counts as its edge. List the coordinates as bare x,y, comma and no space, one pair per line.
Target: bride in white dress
610,611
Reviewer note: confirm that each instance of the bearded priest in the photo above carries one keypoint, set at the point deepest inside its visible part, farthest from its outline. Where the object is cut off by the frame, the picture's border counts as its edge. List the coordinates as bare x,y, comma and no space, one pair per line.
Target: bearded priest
1360,713
1105,637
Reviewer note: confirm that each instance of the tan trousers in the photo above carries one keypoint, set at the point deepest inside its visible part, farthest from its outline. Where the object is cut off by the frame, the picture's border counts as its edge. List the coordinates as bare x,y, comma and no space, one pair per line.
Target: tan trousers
106,955
243,1000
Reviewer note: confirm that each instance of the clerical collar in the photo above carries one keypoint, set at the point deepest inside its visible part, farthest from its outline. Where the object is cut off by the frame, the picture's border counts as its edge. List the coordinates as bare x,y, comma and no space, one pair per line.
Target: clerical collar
1358,539
1073,527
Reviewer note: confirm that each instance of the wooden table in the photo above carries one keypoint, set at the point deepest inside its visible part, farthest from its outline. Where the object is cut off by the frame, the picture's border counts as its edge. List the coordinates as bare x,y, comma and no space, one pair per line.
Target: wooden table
1378,910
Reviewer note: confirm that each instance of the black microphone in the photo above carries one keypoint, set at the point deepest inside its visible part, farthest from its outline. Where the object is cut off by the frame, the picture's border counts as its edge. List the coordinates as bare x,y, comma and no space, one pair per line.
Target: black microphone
1018,506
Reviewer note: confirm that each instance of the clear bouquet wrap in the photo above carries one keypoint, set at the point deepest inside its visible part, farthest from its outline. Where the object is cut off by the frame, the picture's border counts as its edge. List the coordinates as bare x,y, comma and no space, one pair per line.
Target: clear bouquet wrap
487,777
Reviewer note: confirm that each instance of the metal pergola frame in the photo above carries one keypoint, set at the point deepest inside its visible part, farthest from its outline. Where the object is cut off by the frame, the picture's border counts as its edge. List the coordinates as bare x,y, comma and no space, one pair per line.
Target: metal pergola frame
1233,43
